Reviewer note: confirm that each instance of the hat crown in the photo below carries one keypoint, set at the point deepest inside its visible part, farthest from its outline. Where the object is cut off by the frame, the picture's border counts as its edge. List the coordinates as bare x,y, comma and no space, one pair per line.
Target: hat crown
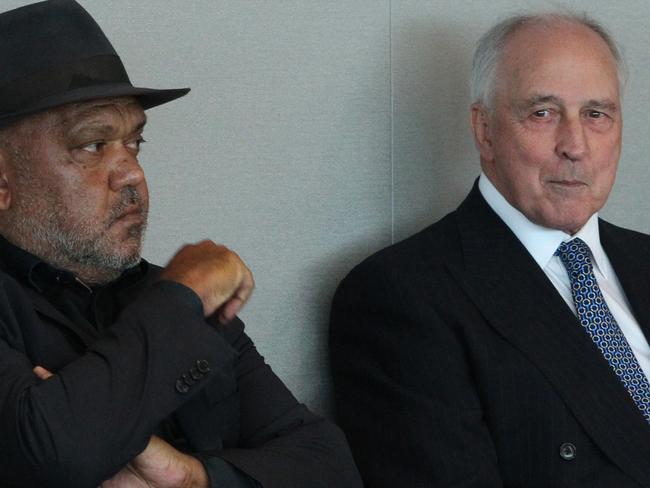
46,35
53,53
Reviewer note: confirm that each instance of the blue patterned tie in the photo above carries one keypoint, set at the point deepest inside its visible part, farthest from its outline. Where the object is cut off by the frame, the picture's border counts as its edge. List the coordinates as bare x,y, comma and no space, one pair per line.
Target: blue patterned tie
600,324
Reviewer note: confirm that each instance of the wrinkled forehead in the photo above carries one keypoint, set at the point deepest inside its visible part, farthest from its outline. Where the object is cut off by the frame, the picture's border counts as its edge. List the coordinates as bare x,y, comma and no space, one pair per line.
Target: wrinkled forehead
529,44
564,60
104,111
100,111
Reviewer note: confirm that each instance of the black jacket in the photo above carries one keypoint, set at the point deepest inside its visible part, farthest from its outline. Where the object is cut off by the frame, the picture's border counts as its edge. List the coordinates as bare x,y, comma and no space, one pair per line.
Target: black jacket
457,363
159,363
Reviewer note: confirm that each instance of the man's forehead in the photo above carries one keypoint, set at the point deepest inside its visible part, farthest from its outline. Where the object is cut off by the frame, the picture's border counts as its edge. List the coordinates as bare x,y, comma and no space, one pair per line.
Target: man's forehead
100,110
529,41
106,113
539,59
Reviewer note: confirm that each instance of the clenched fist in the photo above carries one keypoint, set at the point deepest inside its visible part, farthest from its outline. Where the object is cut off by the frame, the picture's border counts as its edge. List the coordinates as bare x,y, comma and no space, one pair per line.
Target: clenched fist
217,275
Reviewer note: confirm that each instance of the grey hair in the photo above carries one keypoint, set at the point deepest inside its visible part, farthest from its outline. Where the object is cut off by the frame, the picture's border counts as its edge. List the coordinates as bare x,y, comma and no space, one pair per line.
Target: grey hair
490,47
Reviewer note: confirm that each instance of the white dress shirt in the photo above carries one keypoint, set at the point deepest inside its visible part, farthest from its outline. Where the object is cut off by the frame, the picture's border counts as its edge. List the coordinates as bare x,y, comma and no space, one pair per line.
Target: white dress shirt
542,243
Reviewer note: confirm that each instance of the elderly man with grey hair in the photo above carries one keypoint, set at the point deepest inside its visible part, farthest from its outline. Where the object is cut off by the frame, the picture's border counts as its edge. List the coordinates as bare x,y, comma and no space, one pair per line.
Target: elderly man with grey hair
506,345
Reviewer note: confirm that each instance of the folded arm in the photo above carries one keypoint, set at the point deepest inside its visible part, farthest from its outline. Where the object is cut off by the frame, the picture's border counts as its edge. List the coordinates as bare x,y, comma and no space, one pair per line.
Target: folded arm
98,412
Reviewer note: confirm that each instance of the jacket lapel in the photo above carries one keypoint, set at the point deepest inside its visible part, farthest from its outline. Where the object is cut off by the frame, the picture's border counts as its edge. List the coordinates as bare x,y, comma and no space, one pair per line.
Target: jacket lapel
632,265
519,301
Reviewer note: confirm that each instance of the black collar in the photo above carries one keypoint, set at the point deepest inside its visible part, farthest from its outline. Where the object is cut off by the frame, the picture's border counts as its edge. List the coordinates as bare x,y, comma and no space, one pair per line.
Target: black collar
40,275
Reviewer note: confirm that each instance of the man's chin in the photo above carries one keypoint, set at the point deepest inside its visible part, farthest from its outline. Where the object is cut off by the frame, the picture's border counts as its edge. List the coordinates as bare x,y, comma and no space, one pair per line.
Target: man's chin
127,241
102,270
128,260
118,255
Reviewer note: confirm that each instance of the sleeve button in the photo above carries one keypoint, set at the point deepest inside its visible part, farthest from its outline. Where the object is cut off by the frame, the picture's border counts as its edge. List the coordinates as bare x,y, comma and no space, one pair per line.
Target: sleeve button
196,374
181,387
189,381
203,366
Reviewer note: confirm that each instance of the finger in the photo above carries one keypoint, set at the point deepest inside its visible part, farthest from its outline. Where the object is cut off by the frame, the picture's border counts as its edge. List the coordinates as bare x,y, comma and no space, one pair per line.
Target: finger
246,287
235,303
42,373
230,309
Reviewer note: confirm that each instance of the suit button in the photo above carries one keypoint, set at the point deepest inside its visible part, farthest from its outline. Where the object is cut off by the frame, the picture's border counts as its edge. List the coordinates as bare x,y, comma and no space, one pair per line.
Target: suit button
568,451
181,387
187,379
196,374
203,366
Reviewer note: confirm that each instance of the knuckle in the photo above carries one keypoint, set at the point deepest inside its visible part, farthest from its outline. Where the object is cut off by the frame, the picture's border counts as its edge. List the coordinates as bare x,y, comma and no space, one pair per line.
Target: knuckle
220,248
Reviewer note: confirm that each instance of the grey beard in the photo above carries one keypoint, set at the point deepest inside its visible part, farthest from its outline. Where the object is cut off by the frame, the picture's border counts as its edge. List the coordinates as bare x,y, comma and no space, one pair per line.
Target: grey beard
85,245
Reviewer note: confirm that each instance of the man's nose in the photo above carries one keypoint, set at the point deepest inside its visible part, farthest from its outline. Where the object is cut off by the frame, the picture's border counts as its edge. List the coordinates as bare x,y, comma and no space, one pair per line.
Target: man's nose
126,170
571,141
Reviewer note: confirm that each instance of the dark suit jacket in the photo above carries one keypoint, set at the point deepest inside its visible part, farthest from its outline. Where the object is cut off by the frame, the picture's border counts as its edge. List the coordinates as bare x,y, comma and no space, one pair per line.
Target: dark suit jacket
456,363
159,363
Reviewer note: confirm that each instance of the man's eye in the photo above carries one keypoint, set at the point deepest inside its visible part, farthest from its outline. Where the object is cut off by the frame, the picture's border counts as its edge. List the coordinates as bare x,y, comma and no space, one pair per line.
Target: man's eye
93,147
137,144
542,114
595,114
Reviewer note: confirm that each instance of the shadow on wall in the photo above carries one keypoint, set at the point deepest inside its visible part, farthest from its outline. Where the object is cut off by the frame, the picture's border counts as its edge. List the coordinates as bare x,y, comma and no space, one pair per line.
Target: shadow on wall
322,288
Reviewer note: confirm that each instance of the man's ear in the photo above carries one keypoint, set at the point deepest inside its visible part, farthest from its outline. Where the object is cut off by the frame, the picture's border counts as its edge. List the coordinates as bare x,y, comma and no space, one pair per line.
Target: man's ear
5,191
482,129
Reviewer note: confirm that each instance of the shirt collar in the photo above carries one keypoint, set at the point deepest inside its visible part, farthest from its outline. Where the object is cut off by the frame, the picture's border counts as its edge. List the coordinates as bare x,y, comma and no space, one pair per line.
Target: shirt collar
541,242
36,272
19,263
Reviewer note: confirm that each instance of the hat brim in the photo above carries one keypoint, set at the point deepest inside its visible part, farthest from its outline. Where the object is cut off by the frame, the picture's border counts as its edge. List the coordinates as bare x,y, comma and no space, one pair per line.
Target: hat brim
147,97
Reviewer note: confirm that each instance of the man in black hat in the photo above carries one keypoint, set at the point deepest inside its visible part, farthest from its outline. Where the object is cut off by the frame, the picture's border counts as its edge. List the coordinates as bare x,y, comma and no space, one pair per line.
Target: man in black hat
115,372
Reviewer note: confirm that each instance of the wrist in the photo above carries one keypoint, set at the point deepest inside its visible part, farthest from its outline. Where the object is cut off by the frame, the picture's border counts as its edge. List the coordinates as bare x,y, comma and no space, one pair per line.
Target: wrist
196,477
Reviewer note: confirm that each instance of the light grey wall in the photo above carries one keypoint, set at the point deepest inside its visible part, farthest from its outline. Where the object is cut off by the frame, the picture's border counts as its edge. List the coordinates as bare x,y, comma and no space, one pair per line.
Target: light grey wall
318,131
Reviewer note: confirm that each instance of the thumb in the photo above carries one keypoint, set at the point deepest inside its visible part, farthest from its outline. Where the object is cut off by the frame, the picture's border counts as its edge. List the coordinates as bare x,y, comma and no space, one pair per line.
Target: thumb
42,373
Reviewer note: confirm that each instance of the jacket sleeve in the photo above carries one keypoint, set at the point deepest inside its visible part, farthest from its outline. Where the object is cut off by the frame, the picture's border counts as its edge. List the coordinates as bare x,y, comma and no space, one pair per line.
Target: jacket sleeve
403,383
280,442
160,357
82,425
223,474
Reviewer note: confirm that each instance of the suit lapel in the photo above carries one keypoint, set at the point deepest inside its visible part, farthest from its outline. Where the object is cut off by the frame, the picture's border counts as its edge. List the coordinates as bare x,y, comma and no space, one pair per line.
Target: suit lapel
632,265
519,301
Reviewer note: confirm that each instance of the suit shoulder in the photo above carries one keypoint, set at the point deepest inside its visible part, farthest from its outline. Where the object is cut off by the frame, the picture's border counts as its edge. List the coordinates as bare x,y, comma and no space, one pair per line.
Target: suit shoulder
631,241
432,247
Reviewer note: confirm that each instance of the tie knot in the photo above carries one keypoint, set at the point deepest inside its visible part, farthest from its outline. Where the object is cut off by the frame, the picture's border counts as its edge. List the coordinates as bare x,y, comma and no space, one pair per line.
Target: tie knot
574,253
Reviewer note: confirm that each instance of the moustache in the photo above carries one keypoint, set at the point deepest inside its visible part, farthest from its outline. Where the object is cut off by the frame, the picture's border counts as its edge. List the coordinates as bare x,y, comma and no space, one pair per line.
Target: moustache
129,196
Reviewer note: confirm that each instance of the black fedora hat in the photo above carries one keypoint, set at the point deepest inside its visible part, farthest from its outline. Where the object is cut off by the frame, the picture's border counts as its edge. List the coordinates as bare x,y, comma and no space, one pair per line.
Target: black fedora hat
53,53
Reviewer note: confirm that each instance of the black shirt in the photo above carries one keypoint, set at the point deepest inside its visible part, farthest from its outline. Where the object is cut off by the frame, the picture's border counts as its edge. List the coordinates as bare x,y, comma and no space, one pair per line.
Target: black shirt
91,307
94,309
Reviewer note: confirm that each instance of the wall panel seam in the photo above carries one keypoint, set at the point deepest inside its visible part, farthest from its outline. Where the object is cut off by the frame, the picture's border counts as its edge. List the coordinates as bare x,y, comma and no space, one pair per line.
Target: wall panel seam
391,116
